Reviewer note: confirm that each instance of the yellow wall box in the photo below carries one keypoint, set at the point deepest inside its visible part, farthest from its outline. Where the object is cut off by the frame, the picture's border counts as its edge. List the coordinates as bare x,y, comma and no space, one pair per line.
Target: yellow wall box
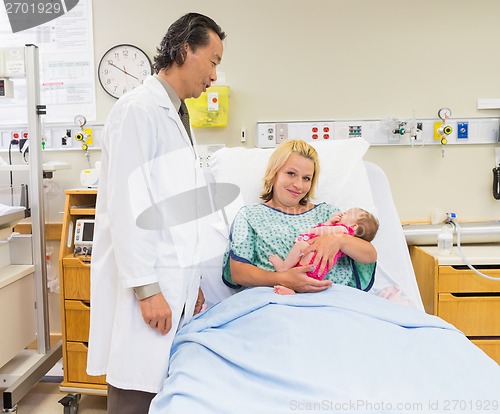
210,109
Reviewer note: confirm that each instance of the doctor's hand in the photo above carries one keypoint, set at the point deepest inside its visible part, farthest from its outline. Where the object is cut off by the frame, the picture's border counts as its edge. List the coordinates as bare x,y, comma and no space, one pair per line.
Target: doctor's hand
297,280
199,302
156,313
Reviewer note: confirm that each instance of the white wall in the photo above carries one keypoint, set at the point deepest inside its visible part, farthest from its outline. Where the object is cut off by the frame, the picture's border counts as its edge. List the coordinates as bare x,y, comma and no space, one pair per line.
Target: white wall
333,59
358,59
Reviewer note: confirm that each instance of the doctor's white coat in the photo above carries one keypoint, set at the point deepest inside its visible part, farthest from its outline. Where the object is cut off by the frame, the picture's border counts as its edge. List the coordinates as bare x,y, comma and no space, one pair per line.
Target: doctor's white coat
147,159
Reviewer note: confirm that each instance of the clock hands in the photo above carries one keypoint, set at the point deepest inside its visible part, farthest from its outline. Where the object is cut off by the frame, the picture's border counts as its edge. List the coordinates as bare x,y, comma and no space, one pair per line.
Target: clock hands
124,71
123,58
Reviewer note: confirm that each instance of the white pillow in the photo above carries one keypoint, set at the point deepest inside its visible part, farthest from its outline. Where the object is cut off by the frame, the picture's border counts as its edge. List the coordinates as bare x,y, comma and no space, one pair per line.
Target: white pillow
243,167
343,182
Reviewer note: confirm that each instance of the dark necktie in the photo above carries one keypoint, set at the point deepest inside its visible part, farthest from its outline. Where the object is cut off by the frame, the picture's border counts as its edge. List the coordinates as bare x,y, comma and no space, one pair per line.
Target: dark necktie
184,115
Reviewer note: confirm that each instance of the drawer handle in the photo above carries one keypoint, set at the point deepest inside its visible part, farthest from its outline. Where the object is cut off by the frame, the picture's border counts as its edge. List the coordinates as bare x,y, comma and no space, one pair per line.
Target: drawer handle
83,262
480,267
473,294
468,298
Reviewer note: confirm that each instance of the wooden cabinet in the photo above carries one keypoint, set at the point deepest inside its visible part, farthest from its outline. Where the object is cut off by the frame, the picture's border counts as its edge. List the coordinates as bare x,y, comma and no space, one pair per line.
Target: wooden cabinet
452,291
75,298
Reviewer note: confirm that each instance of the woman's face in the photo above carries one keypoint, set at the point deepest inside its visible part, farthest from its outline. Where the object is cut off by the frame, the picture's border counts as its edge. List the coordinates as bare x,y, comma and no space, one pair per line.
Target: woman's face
292,181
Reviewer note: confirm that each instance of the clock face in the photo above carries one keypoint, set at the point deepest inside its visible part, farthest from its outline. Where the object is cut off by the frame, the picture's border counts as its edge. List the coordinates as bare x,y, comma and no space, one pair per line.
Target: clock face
123,68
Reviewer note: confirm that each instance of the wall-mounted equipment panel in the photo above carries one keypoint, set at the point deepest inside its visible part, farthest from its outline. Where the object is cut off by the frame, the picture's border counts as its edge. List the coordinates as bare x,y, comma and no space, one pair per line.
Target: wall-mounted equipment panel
54,136
382,132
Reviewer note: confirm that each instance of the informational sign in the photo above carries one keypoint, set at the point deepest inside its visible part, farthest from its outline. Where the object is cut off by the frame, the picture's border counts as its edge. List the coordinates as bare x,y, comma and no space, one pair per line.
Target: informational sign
66,54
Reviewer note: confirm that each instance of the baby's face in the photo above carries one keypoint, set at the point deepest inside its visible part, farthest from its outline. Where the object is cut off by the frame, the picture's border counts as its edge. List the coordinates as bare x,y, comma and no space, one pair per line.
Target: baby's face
351,216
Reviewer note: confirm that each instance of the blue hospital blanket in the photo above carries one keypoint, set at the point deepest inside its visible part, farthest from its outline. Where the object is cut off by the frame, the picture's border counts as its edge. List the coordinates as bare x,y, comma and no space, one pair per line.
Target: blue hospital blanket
341,350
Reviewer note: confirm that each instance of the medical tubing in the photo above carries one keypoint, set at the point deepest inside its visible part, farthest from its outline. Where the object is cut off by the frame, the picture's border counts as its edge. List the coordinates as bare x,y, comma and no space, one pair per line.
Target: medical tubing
469,265
11,176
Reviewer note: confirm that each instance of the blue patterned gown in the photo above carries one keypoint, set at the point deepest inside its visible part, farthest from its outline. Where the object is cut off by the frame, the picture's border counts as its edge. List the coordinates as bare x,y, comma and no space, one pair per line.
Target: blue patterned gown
259,231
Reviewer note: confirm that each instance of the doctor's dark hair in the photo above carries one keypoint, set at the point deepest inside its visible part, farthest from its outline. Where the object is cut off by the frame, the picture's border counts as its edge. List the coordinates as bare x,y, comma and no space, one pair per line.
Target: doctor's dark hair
279,158
193,30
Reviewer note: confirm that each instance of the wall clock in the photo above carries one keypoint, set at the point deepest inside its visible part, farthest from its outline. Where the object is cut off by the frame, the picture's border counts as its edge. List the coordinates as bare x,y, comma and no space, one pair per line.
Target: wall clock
123,68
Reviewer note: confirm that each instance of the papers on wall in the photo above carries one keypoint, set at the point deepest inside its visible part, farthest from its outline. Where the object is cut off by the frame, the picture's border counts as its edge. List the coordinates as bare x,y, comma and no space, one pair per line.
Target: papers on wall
66,54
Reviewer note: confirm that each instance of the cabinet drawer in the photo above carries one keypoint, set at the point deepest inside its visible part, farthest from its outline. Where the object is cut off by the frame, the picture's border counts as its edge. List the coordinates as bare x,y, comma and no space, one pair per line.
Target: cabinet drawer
456,279
473,315
490,347
77,316
77,364
76,279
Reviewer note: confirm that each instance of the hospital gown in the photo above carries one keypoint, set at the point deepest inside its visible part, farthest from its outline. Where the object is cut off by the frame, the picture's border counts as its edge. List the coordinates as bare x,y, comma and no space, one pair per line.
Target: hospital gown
259,231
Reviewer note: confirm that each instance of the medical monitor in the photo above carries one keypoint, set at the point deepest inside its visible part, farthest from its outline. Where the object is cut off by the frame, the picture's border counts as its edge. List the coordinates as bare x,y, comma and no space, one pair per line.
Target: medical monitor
84,232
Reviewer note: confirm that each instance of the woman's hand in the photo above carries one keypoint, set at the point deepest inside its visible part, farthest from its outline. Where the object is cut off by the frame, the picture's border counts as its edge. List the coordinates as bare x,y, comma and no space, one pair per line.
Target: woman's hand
328,245
246,274
297,279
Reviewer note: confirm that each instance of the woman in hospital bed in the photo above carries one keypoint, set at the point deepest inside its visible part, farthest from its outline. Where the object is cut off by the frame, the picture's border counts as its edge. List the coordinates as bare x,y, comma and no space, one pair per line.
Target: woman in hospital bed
271,227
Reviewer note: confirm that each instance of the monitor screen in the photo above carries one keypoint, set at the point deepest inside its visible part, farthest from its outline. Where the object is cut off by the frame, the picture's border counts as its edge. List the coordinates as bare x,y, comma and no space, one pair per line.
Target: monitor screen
88,232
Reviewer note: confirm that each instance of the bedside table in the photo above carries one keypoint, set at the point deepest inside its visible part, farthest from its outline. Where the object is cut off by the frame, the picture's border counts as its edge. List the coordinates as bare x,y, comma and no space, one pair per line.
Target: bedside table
450,290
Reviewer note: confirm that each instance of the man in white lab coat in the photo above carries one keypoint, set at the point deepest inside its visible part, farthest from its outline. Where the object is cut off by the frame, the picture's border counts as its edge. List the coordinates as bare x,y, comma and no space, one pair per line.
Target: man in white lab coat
143,287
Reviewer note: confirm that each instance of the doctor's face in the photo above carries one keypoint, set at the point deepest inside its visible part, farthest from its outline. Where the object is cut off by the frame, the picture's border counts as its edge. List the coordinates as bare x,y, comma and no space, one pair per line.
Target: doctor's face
199,68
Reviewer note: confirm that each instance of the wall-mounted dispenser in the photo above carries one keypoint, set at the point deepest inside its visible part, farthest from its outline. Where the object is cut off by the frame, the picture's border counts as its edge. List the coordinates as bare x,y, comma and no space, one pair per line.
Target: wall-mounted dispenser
210,109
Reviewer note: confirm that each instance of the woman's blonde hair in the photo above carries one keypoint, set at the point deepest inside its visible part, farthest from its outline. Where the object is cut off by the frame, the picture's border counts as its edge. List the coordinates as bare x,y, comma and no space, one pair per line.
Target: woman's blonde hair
280,156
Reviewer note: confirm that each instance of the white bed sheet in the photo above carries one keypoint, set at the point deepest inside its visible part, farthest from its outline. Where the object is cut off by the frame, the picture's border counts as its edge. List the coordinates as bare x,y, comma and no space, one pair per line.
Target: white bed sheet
394,267
340,350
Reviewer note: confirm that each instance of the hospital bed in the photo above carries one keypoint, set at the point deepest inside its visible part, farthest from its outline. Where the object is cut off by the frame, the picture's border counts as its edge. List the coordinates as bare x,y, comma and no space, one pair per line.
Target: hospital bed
341,350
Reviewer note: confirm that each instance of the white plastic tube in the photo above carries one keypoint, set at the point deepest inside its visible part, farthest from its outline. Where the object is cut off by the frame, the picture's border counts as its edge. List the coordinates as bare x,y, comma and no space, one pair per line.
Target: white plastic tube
469,265
478,232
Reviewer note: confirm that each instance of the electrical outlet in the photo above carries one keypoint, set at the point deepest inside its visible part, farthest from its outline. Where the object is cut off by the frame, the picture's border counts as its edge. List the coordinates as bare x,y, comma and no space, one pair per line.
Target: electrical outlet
266,135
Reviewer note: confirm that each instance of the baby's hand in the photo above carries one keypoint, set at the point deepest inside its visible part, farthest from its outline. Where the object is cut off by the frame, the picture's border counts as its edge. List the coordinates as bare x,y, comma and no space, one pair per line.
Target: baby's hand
335,218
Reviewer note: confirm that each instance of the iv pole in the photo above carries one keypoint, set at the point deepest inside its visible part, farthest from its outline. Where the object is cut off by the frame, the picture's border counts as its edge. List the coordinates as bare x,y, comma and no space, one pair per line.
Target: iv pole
50,357
37,204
